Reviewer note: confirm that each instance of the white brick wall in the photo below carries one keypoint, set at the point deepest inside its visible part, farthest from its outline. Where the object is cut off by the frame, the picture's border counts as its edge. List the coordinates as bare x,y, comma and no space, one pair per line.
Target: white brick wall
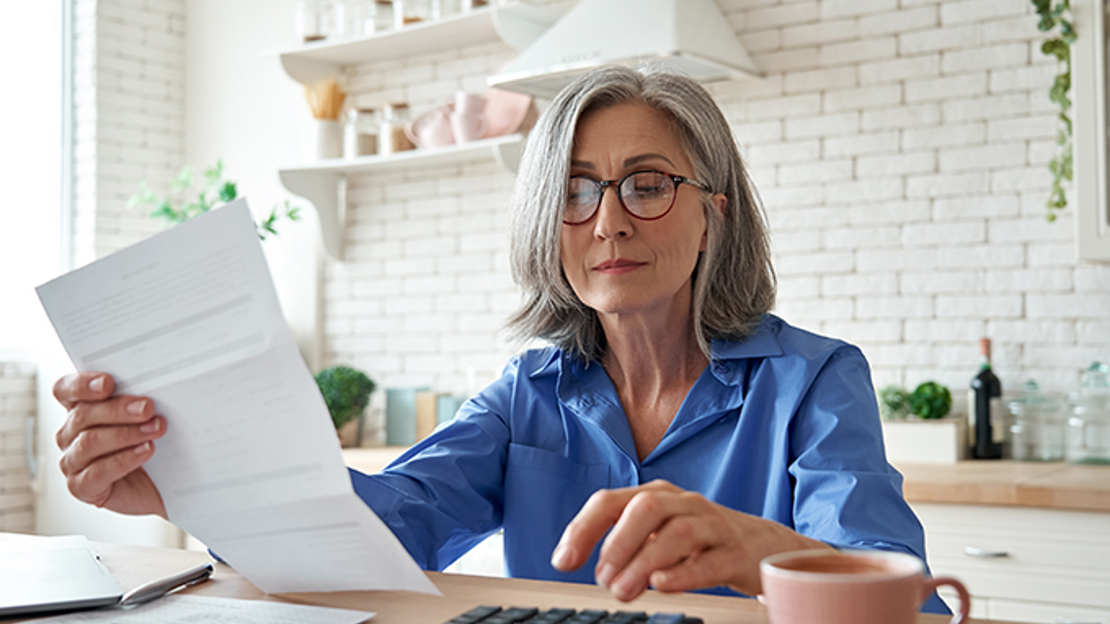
129,118
899,149
17,408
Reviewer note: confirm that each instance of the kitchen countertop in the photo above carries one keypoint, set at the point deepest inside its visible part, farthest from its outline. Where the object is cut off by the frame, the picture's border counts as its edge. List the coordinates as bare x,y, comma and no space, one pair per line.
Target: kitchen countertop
1055,485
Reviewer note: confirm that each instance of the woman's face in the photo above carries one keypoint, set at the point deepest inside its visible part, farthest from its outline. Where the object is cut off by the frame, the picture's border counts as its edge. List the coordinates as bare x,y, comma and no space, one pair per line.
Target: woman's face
618,264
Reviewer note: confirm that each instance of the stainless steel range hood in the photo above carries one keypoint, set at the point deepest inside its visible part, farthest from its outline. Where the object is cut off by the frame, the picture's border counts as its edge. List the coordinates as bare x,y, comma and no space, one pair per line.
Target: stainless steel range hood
688,36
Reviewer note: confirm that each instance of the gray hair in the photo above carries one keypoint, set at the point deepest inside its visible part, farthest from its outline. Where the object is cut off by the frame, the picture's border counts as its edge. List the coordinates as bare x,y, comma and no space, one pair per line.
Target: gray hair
734,282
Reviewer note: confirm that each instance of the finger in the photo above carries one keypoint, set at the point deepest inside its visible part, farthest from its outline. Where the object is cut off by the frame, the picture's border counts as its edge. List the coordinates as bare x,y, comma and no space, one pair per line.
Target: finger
648,513
596,517
708,568
94,484
88,386
121,410
681,539
95,443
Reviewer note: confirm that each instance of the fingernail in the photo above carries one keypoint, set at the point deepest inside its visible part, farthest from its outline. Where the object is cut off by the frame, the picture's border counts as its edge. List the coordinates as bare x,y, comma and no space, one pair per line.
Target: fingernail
97,384
605,575
142,448
625,588
150,427
560,556
137,407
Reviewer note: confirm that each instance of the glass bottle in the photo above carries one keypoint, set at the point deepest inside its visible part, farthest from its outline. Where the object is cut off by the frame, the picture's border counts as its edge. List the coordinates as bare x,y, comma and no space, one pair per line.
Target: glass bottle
983,408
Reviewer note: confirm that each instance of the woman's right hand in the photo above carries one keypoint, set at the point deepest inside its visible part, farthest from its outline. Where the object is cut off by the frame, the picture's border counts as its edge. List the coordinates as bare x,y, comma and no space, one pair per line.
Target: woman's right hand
105,441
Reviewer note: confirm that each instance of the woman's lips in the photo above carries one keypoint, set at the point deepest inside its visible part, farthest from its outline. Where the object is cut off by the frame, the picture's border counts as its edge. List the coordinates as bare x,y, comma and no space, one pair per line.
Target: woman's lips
618,266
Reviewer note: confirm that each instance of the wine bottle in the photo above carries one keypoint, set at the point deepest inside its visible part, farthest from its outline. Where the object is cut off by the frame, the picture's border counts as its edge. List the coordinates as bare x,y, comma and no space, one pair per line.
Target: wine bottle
984,403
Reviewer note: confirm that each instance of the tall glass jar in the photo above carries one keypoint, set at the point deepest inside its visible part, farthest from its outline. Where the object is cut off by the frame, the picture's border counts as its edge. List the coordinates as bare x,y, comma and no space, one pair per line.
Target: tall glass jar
1089,421
391,137
361,133
1037,426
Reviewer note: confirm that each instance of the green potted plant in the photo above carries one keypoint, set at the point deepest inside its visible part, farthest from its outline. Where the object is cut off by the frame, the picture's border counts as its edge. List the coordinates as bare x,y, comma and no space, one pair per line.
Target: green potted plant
346,392
185,200
915,427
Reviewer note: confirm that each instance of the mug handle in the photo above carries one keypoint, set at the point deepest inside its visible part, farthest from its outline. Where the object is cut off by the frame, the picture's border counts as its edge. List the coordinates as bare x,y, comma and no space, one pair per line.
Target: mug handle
931,584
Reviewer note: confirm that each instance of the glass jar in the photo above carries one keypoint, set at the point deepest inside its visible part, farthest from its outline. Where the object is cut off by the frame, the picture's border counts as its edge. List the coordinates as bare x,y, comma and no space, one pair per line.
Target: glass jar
407,12
382,16
444,9
1037,426
360,18
1088,438
391,137
311,20
360,133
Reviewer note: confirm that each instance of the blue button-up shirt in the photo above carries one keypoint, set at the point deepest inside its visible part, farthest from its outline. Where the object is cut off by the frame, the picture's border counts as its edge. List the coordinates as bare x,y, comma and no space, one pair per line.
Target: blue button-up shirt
783,425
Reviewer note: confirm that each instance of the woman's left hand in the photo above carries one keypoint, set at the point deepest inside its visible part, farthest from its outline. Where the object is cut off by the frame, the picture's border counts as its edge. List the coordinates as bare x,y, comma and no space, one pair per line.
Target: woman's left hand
672,540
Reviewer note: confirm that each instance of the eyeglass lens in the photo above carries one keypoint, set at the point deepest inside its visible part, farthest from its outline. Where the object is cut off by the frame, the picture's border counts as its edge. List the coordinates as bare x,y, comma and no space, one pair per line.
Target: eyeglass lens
644,194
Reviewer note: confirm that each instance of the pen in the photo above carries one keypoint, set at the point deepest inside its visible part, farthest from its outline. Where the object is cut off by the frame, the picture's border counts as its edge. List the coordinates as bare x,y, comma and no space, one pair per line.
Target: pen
158,588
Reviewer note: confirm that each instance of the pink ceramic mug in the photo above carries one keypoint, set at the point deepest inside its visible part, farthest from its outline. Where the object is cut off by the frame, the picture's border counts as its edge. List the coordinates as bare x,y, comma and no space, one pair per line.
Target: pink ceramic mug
849,587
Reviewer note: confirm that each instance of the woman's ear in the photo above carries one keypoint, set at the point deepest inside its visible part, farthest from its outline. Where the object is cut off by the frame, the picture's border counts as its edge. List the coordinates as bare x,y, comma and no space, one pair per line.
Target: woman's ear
721,202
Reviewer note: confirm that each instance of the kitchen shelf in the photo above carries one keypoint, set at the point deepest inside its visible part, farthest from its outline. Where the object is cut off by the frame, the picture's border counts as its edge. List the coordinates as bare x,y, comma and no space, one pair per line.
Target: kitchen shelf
322,183
516,23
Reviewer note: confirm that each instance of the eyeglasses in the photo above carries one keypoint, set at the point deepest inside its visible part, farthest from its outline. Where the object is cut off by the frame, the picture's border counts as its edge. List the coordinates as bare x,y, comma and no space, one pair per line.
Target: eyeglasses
646,195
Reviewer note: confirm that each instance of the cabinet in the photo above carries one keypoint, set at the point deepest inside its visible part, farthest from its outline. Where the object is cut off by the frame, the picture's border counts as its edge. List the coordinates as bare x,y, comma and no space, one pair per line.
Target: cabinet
1023,564
322,183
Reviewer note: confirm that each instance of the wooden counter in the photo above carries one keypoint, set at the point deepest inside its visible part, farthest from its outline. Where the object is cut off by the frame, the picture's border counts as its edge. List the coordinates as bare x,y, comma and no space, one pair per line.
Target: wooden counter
1056,485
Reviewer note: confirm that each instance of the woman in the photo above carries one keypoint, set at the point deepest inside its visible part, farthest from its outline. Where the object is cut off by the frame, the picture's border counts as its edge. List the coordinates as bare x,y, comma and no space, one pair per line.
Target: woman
674,420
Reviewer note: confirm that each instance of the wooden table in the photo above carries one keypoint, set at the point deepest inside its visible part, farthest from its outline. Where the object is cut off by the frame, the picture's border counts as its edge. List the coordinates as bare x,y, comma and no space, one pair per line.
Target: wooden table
133,565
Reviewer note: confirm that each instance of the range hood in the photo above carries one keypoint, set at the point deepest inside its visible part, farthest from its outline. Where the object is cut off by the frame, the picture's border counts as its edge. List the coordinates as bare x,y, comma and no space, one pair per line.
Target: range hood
691,37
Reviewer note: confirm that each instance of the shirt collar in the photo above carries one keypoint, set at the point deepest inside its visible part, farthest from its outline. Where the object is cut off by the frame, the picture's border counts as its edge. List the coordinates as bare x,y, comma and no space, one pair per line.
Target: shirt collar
762,343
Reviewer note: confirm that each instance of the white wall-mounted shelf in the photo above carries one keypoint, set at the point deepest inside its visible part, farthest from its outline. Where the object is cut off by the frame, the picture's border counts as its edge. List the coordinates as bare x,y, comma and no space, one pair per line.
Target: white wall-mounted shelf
322,183
516,23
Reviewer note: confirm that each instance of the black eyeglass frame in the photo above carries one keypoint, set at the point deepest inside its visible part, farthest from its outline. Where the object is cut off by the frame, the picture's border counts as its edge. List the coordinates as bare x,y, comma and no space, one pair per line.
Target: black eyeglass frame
677,180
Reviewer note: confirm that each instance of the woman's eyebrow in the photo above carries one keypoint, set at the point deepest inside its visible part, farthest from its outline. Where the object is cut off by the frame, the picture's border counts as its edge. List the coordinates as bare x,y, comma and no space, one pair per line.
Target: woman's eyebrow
585,164
649,156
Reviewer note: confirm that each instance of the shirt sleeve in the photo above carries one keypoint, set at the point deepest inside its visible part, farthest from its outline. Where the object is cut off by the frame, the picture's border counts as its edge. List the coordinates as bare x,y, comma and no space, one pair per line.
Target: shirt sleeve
445,494
845,492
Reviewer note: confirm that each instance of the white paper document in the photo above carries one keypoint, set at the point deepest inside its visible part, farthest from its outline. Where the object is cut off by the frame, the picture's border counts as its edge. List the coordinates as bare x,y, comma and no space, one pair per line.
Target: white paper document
250,463
201,609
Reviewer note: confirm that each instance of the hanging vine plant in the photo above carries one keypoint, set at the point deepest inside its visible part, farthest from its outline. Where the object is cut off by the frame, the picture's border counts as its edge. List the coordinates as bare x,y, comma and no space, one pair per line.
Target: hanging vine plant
1055,18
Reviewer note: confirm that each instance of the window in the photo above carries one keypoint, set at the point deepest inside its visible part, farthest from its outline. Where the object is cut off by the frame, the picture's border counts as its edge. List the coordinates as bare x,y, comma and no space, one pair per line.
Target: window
1089,91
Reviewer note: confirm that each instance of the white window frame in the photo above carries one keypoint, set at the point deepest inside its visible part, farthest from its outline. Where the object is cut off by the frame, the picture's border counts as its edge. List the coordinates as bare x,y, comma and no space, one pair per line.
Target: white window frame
1089,89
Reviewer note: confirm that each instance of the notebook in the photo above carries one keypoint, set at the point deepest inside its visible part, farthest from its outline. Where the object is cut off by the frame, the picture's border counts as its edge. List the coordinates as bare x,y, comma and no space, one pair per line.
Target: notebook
40,574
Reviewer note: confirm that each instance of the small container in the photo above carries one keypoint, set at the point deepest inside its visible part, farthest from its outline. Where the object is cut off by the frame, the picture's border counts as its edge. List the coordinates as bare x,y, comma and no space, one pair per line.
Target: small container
311,20
1036,430
408,12
444,9
360,136
381,17
1088,436
391,137
359,18
470,5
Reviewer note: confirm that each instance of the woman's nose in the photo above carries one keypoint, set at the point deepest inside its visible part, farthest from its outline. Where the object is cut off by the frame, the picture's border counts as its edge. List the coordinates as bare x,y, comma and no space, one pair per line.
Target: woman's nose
613,221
